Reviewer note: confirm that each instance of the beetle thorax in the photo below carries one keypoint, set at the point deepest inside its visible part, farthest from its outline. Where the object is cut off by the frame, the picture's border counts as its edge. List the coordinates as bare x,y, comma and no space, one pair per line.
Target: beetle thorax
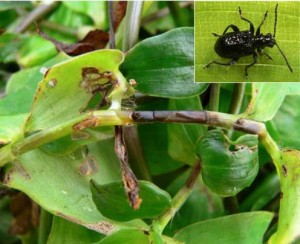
262,41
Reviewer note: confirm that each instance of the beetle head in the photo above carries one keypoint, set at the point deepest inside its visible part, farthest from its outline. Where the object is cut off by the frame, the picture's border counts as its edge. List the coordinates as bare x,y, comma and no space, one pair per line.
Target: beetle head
269,40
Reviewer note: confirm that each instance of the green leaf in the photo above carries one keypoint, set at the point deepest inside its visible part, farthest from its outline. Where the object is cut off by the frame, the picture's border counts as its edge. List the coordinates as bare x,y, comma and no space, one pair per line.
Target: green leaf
92,9
287,122
64,89
35,51
246,228
183,137
227,171
164,65
264,193
288,230
213,17
127,237
64,232
21,88
266,100
60,184
112,201
11,128
190,212
9,46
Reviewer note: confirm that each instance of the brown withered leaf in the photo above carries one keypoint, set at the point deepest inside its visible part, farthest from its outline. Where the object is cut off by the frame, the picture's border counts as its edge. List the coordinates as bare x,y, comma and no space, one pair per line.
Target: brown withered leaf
130,181
2,31
94,40
25,212
119,11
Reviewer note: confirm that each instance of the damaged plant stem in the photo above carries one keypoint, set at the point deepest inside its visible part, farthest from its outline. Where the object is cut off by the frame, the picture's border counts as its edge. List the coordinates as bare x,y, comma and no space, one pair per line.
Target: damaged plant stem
116,117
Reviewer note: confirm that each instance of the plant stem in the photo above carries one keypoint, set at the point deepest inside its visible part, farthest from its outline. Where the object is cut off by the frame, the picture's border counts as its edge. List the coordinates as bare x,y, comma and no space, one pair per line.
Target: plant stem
176,13
179,199
237,98
112,118
112,39
35,15
132,24
45,226
214,96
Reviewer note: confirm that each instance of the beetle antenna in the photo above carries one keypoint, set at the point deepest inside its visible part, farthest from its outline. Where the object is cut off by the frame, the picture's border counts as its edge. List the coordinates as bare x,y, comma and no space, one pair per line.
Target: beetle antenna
286,61
275,24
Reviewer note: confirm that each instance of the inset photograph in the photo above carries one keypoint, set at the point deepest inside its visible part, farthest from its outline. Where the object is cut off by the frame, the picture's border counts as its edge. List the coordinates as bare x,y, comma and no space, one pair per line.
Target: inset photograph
247,41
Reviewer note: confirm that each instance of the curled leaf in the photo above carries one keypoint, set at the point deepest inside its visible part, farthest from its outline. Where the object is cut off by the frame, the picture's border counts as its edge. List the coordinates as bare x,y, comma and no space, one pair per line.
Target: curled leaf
227,170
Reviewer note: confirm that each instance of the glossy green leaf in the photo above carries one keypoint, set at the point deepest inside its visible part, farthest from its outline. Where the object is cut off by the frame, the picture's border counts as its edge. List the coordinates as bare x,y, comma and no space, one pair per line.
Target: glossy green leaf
213,17
183,137
112,202
287,122
164,65
65,232
62,90
227,171
60,184
266,100
246,228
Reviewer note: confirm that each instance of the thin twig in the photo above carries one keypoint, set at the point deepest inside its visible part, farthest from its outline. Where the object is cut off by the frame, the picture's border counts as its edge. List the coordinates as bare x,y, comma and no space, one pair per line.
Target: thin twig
38,13
112,39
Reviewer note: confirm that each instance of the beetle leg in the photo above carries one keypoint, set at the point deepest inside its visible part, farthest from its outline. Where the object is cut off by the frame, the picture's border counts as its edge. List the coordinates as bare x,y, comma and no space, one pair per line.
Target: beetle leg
249,65
258,29
251,25
231,62
260,52
234,27
216,35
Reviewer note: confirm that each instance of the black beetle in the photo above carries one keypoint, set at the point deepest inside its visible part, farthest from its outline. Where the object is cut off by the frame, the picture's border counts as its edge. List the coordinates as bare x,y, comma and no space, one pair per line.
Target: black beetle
237,44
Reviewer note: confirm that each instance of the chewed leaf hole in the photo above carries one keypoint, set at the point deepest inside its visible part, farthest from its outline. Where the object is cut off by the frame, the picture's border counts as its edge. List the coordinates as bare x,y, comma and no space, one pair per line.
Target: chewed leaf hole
88,167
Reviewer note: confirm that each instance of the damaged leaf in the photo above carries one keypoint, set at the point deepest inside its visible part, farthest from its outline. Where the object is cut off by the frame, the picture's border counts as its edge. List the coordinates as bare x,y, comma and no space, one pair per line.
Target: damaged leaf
94,40
65,90
226,170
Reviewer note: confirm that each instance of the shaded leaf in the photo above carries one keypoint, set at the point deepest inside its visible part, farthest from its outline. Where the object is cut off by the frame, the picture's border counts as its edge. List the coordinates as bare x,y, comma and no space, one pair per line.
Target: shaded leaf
211,205
287,122
266,100
163,65
112,202
63,231
246,228
183,137
25,212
